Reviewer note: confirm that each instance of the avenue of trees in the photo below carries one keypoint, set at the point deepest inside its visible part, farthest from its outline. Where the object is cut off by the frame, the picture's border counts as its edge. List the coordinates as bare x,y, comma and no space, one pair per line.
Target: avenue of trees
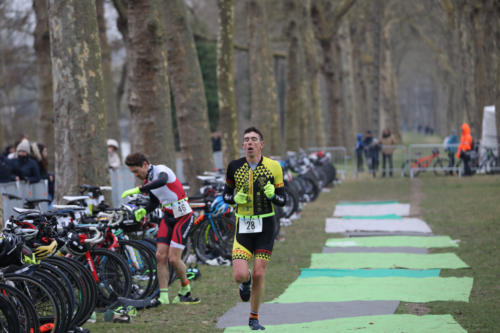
309,73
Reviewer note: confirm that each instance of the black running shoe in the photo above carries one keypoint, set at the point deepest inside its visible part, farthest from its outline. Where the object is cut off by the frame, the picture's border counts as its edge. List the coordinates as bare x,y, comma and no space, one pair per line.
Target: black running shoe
245,290
187,299
254,325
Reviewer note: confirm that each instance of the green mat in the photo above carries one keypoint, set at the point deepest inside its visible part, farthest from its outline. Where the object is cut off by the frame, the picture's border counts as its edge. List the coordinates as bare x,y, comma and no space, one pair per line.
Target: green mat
369,324
375,273
393,241
386,260
420,290
352,203
374,217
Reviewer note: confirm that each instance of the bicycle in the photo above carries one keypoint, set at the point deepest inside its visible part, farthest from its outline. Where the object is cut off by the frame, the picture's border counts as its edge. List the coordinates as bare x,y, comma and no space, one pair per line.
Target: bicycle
433,161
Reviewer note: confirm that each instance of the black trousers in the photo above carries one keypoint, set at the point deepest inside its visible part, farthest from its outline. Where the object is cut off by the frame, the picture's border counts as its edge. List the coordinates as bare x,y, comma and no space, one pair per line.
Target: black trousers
387,157
466,160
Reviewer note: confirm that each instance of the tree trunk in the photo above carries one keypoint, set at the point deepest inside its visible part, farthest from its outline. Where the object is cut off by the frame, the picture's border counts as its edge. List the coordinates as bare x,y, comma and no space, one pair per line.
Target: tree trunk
326,19
148,90
44,78
228,119
264,100
189,94
316,128
347,74
80,151
389,106
112,128
295,93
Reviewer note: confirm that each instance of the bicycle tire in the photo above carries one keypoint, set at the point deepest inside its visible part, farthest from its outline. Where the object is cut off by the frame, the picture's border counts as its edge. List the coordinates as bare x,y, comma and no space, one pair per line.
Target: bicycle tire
9,322
113,273
143,269
292,201
49,279
81,289
26,313
207,245
42,298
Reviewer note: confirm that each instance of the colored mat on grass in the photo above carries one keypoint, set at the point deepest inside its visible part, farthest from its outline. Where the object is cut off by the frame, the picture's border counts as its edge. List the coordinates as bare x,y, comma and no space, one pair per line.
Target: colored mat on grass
386,260
335,225
380,249
374,217
276,313
366,273
369,324
371,210
421,290
394,241
354,203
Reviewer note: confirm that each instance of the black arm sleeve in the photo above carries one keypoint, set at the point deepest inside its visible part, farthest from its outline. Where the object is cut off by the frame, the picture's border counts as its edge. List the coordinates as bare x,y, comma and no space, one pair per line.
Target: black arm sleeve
161,181
153,203
228,194
279,198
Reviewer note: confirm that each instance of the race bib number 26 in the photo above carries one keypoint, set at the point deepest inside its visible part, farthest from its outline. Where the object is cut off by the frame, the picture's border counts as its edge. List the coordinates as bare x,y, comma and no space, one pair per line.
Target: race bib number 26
249,225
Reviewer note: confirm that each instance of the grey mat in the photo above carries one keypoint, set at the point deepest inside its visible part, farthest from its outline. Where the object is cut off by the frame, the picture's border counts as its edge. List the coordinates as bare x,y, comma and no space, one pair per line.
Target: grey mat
276,314
352,249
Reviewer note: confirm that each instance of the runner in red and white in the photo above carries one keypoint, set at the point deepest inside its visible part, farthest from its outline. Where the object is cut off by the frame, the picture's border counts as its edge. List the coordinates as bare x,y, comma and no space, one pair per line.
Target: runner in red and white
166,190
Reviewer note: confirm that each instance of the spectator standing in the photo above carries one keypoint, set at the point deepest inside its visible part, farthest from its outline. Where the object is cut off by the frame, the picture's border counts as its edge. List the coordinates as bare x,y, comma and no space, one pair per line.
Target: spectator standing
24,166
388,142
450,146
373,156
359,151
367,141
113,156
464,148
6,174
40,153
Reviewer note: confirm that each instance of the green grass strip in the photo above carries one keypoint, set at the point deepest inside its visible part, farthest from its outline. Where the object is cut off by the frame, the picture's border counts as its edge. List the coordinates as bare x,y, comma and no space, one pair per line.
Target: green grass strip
374,217
369,324
421,290
357,203
366,273
386,260
394,241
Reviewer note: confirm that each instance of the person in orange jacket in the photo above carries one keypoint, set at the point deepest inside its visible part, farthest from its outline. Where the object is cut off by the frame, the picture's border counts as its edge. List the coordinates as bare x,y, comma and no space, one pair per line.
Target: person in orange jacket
464,148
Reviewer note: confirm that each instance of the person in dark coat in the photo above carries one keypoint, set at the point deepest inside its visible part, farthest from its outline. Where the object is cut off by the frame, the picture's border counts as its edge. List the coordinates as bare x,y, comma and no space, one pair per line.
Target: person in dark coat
359,151
24,166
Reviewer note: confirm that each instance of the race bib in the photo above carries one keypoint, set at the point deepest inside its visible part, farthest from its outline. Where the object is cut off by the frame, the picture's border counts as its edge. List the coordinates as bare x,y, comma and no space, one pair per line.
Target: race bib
181,208
250,225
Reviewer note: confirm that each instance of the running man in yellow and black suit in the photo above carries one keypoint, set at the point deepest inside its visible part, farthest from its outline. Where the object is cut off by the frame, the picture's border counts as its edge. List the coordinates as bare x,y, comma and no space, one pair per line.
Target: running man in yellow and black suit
254,183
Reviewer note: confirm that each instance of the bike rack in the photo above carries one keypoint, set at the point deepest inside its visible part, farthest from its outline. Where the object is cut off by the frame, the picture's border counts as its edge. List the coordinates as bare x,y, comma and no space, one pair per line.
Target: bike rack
335,149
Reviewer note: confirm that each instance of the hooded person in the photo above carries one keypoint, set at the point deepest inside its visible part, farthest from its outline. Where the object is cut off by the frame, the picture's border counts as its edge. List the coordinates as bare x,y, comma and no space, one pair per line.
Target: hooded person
113,157
465,146
24,166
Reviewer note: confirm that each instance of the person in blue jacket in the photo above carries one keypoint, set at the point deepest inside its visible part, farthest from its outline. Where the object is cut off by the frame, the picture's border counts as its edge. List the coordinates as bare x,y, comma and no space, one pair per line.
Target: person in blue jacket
450,146
359,151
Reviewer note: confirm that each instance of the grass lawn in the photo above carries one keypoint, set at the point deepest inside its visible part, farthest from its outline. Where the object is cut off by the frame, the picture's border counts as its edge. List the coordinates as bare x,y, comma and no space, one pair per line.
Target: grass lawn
465,209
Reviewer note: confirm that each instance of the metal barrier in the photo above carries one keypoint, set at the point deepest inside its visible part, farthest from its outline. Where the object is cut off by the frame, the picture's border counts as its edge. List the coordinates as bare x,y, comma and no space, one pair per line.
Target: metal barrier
399,155
23,190
339,158
434,158
121,179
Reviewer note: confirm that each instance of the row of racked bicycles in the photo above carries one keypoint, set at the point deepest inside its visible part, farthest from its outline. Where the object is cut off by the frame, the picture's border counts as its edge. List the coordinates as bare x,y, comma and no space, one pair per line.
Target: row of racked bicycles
58,266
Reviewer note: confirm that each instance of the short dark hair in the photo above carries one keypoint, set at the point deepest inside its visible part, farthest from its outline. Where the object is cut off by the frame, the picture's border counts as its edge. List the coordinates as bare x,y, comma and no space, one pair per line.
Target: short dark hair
136,159
254,129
